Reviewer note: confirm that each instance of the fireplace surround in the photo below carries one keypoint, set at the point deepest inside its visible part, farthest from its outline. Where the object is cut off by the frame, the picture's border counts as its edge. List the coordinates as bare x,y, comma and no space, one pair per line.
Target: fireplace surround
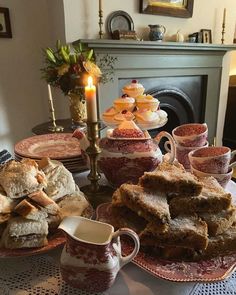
185,77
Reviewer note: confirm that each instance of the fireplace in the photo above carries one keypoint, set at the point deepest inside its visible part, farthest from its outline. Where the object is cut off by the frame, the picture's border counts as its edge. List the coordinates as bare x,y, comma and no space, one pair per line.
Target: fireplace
185,77
183,98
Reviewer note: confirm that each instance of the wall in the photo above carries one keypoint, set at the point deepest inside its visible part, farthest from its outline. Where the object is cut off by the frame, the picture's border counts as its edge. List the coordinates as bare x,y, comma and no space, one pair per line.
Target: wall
81,18
23,95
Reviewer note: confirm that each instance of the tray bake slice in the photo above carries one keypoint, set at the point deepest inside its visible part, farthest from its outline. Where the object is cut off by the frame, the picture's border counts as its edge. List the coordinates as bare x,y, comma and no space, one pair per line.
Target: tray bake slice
184,231
213,199
147,204
171,178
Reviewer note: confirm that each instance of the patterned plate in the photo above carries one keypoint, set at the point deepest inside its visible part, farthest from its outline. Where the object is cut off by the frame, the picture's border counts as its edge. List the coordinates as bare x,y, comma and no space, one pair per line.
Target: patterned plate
55,146
211,270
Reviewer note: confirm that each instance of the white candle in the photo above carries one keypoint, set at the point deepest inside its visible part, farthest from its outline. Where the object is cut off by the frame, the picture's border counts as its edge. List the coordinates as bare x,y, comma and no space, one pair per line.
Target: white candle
49,92
100,4
224,16
91,101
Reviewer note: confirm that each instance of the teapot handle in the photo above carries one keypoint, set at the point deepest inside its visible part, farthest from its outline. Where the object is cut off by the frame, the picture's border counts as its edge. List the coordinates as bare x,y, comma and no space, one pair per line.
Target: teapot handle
125,231
171,141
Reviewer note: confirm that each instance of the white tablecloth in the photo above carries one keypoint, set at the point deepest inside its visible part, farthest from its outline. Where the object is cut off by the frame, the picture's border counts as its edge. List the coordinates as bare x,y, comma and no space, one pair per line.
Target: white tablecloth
40,275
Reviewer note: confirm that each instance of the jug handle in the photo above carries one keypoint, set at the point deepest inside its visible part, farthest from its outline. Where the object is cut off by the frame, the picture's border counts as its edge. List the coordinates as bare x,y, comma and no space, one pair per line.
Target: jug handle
171,141
126,231
164,29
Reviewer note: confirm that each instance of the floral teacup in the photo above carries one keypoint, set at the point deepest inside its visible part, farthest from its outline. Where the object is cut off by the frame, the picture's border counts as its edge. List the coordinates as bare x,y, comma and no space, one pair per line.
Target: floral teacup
212,159
222,179
191,135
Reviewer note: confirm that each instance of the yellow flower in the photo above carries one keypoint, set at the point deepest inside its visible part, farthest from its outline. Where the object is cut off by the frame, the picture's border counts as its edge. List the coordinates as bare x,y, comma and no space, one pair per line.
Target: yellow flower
63,69
92,69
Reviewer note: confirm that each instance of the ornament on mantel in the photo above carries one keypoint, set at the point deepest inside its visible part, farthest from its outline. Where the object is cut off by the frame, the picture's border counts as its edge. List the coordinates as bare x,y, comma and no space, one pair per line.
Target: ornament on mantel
179,36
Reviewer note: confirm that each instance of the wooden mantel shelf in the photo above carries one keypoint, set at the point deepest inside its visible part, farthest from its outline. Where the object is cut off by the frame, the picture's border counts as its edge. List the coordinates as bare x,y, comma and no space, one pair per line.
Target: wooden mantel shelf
117,44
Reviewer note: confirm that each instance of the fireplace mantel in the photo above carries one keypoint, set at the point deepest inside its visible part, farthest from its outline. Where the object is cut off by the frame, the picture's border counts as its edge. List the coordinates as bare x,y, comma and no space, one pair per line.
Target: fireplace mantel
148,59
107,44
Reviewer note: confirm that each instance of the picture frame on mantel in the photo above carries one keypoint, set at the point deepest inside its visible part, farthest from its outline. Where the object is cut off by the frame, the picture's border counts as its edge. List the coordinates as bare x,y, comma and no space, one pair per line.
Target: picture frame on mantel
5,25
175,8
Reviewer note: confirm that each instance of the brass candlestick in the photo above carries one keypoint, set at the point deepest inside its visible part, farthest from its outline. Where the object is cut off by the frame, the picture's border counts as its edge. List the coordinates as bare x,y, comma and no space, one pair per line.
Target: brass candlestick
54,127
96,193
100,14
223,33
223,27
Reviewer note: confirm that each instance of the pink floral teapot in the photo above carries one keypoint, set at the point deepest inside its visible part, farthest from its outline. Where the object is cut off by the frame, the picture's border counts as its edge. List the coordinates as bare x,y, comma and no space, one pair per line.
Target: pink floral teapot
92,255
127,152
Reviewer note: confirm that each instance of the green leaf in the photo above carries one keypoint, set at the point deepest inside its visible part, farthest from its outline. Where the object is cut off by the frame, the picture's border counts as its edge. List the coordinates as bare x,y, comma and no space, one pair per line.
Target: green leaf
64,54
90,54
50,56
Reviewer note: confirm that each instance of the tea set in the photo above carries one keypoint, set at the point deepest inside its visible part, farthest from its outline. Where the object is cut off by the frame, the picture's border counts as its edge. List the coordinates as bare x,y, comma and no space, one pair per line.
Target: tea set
92,252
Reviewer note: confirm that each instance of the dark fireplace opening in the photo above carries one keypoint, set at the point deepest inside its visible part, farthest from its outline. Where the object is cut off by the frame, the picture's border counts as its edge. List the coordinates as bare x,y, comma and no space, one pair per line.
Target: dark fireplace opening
182,97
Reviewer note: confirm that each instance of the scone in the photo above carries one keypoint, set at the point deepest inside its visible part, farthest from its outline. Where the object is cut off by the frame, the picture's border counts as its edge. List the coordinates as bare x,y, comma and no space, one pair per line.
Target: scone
133,89
21,178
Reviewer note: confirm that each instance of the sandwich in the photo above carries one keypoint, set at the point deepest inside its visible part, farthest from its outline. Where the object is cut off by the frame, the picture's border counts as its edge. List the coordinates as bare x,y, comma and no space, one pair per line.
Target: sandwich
47,204
25,233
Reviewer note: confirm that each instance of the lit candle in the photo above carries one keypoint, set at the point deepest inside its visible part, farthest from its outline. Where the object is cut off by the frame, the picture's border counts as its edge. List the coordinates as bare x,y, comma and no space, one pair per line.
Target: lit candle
91,101
224,15
100,4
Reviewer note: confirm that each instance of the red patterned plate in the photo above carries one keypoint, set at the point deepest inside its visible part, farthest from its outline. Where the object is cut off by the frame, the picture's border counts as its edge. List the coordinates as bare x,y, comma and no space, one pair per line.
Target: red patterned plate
55,146
211,270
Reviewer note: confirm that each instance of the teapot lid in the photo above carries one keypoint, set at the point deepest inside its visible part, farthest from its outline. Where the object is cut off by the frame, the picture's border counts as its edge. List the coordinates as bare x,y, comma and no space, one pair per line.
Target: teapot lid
127,130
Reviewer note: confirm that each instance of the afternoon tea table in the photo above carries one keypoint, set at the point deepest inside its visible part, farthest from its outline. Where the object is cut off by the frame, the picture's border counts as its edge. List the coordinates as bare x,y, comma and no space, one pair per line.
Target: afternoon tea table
40,275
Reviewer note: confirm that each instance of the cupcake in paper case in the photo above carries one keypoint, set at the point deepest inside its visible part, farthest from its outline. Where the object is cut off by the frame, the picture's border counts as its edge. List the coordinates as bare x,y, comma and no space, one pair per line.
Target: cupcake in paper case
133,89
147,117
124,103
108,115
123,116
147,102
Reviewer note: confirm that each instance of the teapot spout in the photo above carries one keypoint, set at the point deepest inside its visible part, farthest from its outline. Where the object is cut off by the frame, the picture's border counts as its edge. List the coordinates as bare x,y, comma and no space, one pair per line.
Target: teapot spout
80,135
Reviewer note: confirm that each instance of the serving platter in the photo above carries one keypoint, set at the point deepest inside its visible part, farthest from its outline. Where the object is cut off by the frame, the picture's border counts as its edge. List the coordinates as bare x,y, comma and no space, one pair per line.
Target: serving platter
55,240
143,126
210,270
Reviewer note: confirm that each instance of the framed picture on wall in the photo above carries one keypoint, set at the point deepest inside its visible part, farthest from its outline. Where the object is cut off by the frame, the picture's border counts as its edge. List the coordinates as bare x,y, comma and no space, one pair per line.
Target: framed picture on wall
5,25
176,8
206,36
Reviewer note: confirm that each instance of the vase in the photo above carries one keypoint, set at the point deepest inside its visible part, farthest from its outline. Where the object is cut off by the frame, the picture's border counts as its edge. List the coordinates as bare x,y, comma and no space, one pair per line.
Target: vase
77,109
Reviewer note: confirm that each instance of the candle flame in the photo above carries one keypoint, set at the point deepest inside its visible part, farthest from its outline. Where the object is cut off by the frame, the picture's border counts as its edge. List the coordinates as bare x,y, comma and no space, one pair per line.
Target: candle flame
90,81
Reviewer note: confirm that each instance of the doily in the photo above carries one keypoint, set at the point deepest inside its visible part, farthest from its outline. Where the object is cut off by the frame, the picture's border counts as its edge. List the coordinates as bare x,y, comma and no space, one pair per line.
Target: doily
36,275
225,287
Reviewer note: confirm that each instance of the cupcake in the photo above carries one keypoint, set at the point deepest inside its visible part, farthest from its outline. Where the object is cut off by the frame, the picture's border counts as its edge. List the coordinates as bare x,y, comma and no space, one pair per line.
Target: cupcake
147,102
147,117
134,89
108,115
124,103
123,116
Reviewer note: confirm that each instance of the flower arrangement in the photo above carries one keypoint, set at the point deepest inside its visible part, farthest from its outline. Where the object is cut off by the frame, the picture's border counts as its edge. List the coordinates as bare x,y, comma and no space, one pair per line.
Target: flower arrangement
68,66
